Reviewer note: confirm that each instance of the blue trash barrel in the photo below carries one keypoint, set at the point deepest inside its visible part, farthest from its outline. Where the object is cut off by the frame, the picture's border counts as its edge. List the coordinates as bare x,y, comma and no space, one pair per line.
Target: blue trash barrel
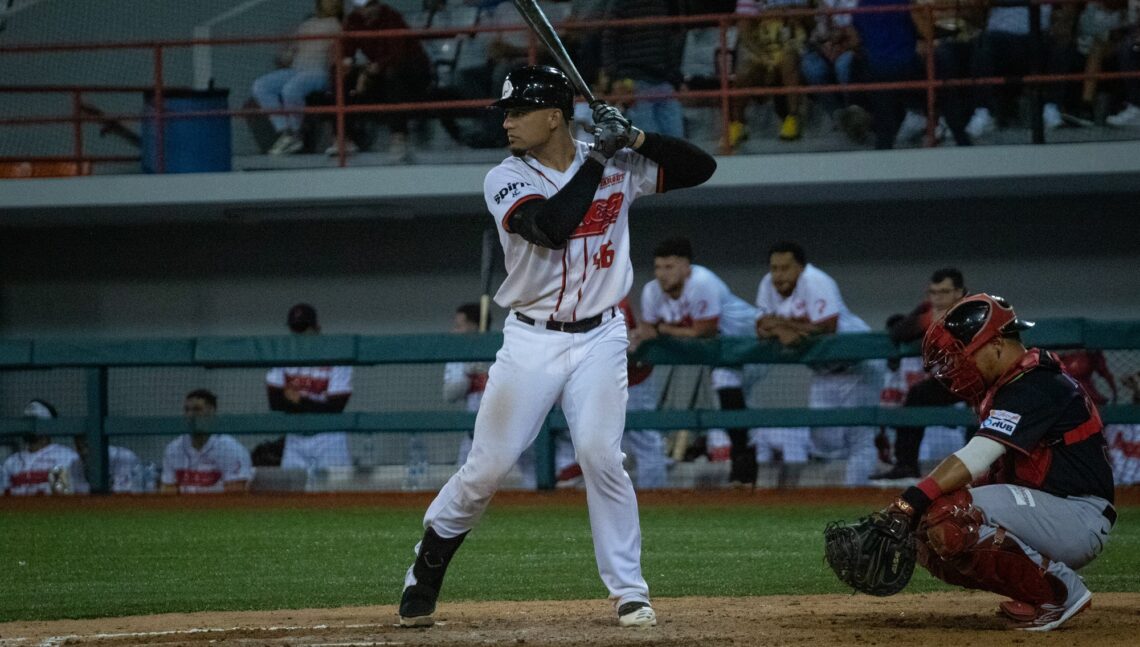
192,144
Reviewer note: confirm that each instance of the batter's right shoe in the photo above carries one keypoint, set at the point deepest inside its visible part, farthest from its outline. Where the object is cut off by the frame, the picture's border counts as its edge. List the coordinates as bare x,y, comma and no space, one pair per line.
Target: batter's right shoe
636,614
425,579
1051,616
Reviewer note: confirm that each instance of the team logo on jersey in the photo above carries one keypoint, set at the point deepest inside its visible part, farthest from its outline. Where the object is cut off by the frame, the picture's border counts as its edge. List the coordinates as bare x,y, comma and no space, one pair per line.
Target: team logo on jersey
601,215
1003,422
611,180
511,189
507,88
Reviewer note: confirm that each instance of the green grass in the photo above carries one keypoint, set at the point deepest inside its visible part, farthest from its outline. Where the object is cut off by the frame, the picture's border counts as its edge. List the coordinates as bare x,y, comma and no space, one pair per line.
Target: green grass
91,563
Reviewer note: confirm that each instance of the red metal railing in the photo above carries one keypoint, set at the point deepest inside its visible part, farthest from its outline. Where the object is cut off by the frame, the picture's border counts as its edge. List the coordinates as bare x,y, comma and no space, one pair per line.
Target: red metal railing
80,114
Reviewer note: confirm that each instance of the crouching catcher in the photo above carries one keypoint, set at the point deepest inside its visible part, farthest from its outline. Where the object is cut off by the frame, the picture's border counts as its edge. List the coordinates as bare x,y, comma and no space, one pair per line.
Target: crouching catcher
1025,503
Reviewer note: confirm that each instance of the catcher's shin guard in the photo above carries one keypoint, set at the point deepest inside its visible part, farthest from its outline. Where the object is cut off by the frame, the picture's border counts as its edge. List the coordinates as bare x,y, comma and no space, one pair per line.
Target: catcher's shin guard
417,604
957,547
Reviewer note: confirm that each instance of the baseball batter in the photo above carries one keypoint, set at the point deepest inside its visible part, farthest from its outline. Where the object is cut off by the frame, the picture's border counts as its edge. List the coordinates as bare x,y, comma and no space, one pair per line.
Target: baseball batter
794,301
43,467
1040,502
687,300
561,209
201,462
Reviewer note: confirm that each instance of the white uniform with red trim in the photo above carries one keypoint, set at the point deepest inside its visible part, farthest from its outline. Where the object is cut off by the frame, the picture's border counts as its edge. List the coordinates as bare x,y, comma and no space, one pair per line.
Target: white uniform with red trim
53,469
816,299
938,441
221,460
647,446
315,383
538,367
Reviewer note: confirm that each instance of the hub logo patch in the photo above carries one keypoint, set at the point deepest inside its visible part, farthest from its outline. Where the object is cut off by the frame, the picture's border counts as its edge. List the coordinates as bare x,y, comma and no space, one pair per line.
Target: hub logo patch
1003,422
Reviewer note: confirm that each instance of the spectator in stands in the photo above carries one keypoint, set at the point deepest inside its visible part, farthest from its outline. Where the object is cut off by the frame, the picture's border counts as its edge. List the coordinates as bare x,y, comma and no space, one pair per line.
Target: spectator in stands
465,381
690,301
946,287
645,61
768,55
1094,43
1128,55
126,472
954,31
889,46
303,68
585,45
797,302
310,389
1006,48
1124,441
42,467
396,70
201,462
829,58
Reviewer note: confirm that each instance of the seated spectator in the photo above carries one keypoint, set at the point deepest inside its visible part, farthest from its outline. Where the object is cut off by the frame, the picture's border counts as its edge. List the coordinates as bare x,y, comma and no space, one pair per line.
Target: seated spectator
1128,59
42,467
201,462
889,46
796,302
645,60
1124,441
690,301
1098,28
768,55
946,287
303,68
397,70
310,389
829,59
953,31
126,472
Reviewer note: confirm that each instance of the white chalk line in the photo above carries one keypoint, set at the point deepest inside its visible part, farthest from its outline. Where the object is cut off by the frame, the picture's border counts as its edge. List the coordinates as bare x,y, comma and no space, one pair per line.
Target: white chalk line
57,641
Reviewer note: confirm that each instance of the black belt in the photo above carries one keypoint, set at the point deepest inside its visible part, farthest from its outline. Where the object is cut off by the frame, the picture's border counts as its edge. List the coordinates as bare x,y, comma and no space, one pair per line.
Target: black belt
1109,513
582,325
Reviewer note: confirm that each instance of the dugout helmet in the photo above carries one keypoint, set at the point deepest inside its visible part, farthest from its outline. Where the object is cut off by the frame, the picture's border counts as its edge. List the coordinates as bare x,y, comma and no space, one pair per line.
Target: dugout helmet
537,86
950,343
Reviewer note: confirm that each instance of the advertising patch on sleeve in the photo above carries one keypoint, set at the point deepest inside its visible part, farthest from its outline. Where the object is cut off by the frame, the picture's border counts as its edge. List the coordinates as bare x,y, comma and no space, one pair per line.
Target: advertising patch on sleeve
1003,422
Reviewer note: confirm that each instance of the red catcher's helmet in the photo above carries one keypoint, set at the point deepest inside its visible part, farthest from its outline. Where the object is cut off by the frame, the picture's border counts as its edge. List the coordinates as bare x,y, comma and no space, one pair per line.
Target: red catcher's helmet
950,342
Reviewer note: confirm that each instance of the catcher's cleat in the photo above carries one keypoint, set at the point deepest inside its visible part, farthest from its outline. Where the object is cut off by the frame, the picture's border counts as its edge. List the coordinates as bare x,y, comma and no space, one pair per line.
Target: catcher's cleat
1051,616
417,606
636,614
1017,611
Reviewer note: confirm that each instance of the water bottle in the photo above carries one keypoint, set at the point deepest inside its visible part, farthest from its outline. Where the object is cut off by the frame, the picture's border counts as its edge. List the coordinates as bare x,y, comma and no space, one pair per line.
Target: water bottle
150,478
417,464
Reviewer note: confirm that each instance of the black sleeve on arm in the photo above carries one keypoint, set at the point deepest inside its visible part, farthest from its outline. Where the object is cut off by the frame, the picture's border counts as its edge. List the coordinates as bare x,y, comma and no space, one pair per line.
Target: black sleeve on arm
682,164
549,222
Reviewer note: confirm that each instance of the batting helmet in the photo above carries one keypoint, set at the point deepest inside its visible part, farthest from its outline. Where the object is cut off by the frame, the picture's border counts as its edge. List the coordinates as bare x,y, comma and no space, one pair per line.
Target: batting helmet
950,342
537,86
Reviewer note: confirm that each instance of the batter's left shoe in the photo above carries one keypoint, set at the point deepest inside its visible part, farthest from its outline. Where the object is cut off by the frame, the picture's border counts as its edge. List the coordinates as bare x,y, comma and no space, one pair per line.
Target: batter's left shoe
636,614
425,580
1051,616
417,606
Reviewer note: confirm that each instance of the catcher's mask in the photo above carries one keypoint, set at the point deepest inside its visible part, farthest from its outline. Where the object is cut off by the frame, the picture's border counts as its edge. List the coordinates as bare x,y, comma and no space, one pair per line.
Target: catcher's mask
950,343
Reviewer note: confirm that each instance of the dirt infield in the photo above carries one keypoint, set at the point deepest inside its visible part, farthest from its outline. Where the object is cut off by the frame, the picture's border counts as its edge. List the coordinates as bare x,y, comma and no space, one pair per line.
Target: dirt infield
922,619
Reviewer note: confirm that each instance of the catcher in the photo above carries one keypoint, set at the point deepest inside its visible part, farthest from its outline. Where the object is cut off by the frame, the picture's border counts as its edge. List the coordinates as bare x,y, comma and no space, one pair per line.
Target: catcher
1018,509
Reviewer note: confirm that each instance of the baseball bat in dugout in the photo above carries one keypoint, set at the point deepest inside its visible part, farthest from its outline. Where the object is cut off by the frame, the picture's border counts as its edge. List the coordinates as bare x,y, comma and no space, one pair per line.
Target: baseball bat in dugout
536,19
486,266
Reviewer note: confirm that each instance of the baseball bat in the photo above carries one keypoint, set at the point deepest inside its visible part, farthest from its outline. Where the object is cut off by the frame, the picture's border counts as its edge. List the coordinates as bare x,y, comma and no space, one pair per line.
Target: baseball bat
486,263
536,19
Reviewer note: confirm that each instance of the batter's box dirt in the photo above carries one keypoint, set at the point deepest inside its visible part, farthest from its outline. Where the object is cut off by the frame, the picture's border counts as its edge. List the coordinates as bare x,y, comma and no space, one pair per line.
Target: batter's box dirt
965,618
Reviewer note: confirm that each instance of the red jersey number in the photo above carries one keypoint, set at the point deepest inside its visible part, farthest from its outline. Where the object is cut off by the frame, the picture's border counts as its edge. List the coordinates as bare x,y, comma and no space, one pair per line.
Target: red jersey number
604,257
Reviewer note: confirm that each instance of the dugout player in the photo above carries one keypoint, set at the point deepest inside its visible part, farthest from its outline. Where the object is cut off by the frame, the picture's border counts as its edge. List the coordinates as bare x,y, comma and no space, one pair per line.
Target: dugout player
561,209
42,467
1040,502
201,462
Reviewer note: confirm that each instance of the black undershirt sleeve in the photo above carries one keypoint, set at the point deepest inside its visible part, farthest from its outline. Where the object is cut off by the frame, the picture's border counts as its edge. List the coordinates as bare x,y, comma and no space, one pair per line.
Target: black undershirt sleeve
682,164
549,222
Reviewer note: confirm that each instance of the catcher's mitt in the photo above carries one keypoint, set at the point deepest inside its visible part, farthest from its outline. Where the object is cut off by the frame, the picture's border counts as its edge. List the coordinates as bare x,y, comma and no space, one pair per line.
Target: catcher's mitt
875,555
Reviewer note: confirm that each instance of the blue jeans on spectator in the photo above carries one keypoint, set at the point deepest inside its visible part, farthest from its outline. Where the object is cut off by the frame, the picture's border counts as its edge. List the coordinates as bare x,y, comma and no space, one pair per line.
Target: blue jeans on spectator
817,70
287,88
658,115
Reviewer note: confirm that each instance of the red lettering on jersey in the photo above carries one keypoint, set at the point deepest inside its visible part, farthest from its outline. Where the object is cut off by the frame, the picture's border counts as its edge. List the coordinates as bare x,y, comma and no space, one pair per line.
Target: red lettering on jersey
611,180
197,478
601,215
307,383
33,477
477,383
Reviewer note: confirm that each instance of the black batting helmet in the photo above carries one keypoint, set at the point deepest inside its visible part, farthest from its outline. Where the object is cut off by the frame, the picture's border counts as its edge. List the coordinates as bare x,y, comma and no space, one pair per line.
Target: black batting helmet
537,86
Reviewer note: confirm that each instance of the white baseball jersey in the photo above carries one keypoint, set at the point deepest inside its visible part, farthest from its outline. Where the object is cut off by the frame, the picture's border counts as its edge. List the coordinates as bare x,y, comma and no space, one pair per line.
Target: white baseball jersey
315,383
466,380
815,299
122,465
593,271
705,296
28,473
221,460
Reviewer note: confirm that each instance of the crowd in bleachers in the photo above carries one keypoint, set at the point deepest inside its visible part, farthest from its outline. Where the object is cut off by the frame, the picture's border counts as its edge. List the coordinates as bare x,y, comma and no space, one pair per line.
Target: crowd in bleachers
641,68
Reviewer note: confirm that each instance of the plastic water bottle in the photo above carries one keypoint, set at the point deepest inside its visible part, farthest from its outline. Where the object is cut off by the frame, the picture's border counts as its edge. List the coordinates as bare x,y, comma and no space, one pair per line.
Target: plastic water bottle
417,464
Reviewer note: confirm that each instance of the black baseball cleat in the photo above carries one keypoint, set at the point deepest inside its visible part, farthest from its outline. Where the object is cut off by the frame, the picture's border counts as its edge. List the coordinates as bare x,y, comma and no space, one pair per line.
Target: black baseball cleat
636,614
417,606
